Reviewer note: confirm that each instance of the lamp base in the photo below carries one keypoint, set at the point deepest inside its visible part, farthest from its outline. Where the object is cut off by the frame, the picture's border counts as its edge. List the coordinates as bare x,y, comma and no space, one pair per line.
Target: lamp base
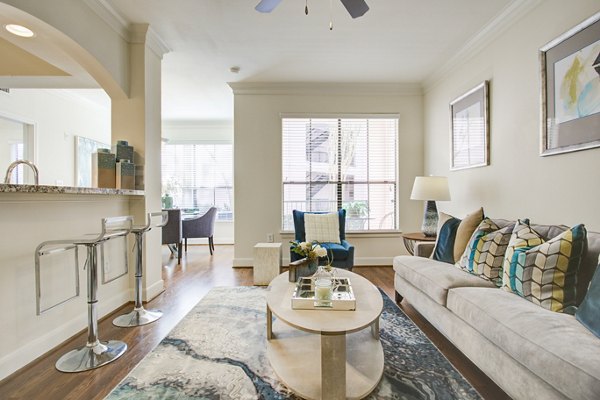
430,219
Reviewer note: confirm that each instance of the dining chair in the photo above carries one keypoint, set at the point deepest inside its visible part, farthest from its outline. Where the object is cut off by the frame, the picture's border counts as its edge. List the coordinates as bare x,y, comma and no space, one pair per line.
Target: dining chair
172,233
201,227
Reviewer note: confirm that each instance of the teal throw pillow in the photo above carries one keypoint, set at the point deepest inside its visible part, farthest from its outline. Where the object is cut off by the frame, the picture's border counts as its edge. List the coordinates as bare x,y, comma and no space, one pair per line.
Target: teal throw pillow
444,247
588,312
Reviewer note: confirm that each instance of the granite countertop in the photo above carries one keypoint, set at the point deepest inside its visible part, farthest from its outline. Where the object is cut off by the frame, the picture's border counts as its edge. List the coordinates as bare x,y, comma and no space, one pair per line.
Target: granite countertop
4,188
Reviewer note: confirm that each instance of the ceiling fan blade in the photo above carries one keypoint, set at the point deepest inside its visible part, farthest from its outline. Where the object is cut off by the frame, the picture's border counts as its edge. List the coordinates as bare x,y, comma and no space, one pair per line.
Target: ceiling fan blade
266,6
356,8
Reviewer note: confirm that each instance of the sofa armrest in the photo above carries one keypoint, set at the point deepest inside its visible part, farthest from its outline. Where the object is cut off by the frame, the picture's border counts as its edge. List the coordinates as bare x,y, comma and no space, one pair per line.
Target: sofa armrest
424,249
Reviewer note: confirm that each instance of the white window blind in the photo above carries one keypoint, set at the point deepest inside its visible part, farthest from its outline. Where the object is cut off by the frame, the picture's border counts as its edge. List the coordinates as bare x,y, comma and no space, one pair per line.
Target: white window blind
199,176
333,163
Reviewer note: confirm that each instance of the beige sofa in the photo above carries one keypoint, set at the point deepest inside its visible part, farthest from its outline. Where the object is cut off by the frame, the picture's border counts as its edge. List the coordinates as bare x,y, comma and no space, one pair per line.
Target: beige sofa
530,352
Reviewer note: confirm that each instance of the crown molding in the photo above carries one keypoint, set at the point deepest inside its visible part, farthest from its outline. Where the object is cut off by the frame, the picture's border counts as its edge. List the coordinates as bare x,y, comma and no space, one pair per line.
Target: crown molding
326,88
498,25
194,124
156,43
111,16
130,32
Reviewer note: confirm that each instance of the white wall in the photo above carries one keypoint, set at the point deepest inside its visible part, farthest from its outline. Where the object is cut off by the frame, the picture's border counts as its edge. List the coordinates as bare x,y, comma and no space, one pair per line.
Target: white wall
58,115
30,219
218,131
519,183
257,157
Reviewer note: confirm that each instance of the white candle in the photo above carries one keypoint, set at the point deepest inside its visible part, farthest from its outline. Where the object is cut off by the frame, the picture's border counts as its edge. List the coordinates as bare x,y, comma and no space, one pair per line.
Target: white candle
323,289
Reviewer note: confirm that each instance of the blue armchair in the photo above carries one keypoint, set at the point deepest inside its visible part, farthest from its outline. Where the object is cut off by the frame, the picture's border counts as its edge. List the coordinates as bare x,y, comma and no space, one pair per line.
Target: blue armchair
343,254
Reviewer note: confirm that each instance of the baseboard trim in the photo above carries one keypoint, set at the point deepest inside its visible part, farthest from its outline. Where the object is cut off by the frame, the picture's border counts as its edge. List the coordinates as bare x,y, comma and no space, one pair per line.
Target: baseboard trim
36,348
154,290
243,262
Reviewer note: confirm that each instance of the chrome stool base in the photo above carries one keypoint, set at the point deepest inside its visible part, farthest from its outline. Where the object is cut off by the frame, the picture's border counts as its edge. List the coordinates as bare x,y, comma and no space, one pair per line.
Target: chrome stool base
90,357
137,317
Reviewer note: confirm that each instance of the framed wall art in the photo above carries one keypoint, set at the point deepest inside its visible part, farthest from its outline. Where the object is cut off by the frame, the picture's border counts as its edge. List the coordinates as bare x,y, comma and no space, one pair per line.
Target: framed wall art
470,129
570,72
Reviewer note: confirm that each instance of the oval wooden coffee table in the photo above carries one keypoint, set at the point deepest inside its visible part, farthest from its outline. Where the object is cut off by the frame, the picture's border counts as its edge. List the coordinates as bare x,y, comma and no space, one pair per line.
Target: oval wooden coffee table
326,354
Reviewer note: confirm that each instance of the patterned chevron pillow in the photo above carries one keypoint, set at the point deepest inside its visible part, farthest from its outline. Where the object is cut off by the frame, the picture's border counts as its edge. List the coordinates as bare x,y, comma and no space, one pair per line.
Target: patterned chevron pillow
484,254
544,273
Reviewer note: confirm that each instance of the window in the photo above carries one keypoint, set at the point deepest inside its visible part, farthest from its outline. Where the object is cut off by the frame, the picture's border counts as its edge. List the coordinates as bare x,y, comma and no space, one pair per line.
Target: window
199,176
332,163
16,153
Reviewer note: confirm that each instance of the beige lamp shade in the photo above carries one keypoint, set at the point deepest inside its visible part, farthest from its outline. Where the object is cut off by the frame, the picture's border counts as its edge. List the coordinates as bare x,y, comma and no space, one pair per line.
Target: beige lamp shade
430,188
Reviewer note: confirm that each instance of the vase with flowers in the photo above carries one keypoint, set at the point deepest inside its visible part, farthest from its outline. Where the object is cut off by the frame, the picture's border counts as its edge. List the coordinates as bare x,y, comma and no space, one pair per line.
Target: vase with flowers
311,253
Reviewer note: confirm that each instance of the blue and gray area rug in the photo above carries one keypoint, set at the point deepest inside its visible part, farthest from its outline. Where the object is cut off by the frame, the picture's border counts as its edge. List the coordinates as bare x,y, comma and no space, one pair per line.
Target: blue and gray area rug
218,351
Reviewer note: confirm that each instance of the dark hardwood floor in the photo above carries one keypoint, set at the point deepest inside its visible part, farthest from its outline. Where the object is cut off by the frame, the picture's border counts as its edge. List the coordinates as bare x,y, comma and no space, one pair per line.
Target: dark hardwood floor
186,284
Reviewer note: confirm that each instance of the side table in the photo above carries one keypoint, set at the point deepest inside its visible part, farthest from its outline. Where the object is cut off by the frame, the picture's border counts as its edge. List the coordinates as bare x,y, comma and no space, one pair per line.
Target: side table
411,238
267,262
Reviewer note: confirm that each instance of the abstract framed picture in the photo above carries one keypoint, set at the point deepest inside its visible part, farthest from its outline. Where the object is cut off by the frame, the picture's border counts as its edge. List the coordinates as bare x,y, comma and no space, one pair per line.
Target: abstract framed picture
570,90
470,129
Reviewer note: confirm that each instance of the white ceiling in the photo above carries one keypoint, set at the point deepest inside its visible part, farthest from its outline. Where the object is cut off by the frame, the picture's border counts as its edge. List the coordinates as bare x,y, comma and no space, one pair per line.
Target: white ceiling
396,41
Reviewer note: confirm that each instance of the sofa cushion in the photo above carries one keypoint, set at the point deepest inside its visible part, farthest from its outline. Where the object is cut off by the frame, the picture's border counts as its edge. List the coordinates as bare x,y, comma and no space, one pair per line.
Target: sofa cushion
552,345
546,274
589,311
434,278
484,254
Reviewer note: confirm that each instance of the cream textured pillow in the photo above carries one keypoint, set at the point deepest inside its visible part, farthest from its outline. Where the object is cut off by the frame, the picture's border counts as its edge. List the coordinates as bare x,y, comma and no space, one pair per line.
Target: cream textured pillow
465,231
322,228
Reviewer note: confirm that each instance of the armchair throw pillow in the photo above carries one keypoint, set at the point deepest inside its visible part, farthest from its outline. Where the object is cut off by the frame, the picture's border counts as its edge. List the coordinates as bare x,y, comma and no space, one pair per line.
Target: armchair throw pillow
484,254
544,273
322,228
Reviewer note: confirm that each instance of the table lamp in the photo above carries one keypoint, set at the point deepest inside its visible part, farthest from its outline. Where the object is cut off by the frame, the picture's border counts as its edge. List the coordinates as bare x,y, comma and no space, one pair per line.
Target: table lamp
430,189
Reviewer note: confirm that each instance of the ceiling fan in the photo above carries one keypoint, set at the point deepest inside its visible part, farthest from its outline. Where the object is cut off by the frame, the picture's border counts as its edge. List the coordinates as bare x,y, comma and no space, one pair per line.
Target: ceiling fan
356,8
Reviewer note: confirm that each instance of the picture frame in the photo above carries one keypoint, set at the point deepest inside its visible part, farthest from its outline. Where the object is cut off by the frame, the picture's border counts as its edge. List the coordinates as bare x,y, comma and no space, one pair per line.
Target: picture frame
470,129
570,86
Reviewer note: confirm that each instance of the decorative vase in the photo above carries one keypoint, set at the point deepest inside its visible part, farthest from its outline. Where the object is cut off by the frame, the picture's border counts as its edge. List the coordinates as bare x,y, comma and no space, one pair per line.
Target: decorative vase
167,201
305,269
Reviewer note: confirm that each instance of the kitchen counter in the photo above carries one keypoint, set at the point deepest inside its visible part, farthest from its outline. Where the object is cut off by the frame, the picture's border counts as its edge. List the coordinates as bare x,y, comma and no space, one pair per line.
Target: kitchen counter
4,188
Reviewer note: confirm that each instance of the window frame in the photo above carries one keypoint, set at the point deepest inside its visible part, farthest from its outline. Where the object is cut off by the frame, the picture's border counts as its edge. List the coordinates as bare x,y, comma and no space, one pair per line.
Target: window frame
341,116
208,142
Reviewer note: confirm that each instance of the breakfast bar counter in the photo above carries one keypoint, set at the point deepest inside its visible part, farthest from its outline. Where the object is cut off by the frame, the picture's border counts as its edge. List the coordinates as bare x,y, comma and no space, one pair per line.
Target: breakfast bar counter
10,188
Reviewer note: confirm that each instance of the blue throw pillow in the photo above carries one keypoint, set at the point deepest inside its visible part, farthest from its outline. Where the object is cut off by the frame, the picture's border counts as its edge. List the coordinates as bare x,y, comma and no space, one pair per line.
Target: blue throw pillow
444,248
588,312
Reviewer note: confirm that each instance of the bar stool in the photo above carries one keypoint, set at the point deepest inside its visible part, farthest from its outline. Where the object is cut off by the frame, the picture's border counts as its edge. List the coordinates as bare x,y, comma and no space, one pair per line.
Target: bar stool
140,316
95,353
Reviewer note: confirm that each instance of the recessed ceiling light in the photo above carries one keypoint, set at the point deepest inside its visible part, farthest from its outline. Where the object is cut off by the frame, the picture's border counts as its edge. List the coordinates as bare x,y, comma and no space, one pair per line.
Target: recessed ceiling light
19,30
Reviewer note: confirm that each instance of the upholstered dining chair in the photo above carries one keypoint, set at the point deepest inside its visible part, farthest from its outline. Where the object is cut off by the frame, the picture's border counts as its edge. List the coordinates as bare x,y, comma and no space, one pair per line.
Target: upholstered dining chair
342,252
172,233
201,227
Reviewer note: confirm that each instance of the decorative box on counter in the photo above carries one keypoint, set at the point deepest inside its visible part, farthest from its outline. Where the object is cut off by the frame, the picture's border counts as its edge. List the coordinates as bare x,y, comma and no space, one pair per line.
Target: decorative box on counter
125,173
123,150
342,298
103,169
139,177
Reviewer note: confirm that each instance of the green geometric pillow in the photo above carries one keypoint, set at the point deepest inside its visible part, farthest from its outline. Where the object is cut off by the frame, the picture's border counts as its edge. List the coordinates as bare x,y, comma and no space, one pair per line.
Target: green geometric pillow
547,273
523,237
484,254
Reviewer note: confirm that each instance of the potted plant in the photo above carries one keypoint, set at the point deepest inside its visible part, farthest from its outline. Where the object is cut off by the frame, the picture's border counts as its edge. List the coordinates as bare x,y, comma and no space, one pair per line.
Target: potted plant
356,214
